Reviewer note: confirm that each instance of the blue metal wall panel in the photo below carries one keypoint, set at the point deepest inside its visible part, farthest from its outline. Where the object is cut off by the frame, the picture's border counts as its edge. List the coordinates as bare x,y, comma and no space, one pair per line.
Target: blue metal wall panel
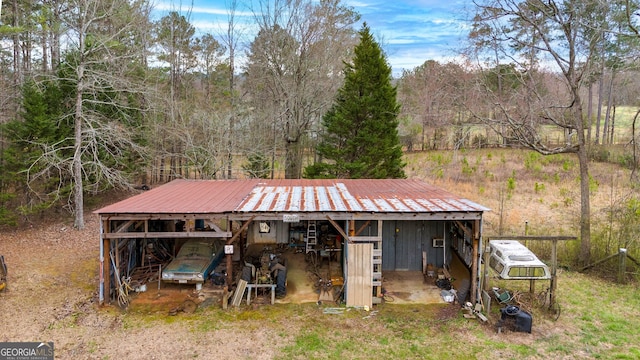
404,241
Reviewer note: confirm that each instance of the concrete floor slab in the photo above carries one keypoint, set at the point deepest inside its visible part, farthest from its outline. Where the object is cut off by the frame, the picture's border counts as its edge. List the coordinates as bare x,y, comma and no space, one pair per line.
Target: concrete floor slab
410,287
402,287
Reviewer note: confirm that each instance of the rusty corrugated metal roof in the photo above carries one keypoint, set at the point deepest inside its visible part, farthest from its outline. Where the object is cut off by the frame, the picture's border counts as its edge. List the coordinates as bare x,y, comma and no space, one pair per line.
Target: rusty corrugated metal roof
300,195
185,197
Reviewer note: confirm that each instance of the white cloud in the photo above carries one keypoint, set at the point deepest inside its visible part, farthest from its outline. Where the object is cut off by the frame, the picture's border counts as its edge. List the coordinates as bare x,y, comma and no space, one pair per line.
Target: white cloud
412,31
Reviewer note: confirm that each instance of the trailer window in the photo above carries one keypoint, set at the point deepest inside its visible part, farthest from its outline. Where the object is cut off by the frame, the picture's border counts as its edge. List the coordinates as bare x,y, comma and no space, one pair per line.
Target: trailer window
526,272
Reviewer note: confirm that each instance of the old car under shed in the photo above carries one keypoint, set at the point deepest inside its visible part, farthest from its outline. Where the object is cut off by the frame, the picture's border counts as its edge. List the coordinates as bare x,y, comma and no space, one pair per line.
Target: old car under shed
376,225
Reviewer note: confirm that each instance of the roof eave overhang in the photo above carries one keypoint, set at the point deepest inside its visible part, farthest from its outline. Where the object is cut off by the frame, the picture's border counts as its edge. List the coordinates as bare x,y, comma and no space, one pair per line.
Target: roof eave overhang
243,216
433,216
161,216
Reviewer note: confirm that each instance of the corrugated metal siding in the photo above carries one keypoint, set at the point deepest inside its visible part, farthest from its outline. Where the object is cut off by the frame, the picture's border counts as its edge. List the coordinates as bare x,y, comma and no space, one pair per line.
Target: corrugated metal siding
302,195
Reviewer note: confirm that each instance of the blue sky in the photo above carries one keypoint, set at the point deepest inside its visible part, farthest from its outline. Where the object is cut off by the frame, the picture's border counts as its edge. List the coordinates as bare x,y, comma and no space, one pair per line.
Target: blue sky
410,31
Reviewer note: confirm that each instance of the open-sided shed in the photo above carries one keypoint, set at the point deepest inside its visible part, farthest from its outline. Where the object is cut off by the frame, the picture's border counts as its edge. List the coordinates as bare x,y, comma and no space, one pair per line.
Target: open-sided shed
380,225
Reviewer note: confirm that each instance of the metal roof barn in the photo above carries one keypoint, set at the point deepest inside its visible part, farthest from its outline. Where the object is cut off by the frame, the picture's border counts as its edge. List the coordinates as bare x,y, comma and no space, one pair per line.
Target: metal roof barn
299,196
409,223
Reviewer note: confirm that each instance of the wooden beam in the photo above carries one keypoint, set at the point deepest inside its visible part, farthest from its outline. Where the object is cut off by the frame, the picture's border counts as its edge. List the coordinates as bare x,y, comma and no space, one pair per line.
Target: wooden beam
242,228
124,226
164,216
169,234
464,228
239,293
599,262
216,228
364,226
541,238
339,228
366,238
632,259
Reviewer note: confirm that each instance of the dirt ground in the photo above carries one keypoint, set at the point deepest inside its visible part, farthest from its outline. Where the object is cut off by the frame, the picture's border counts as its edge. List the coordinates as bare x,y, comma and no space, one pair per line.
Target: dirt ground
51,296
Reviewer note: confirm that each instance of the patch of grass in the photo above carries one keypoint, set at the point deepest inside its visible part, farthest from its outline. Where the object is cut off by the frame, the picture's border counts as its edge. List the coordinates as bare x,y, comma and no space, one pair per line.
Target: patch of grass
511,185
466,168
599,320
440,158
92,347
84,275
534,161
307,343
593,185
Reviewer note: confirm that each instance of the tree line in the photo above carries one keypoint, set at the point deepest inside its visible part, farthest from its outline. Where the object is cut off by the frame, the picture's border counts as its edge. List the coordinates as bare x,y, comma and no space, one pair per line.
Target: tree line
99,95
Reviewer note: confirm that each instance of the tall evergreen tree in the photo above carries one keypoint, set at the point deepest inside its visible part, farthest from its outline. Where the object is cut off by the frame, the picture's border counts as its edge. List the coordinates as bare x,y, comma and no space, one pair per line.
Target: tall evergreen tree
361,128
25,177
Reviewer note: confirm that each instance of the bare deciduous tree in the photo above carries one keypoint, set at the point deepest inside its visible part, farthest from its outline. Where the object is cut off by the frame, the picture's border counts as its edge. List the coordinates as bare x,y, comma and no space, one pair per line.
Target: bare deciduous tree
432,95
231,40
103,55
294,67
563,36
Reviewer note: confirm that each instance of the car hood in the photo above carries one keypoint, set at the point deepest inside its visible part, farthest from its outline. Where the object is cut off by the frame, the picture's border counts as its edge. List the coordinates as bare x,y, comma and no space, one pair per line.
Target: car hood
187,265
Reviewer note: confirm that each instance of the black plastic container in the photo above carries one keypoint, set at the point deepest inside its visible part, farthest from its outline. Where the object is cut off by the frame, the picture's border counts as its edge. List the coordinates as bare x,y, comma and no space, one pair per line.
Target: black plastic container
520,320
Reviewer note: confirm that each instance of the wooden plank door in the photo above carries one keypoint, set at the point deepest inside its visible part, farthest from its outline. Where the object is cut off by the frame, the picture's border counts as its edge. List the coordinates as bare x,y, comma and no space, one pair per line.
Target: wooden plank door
360,274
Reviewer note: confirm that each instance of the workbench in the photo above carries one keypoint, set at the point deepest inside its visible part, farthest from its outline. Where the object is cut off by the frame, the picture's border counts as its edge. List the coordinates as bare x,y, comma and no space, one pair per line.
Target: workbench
250,287
330,253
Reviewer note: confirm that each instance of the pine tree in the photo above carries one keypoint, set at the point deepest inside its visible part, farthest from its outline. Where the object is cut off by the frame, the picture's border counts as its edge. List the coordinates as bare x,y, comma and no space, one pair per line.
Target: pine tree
26,183
361,128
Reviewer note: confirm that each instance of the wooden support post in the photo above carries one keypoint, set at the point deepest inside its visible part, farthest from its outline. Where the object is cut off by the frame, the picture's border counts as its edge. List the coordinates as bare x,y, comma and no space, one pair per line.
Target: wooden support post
486,256
225,298
474,262
106,265
230,242
352,228
116,253
622,265
229,269
554,269
229,257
